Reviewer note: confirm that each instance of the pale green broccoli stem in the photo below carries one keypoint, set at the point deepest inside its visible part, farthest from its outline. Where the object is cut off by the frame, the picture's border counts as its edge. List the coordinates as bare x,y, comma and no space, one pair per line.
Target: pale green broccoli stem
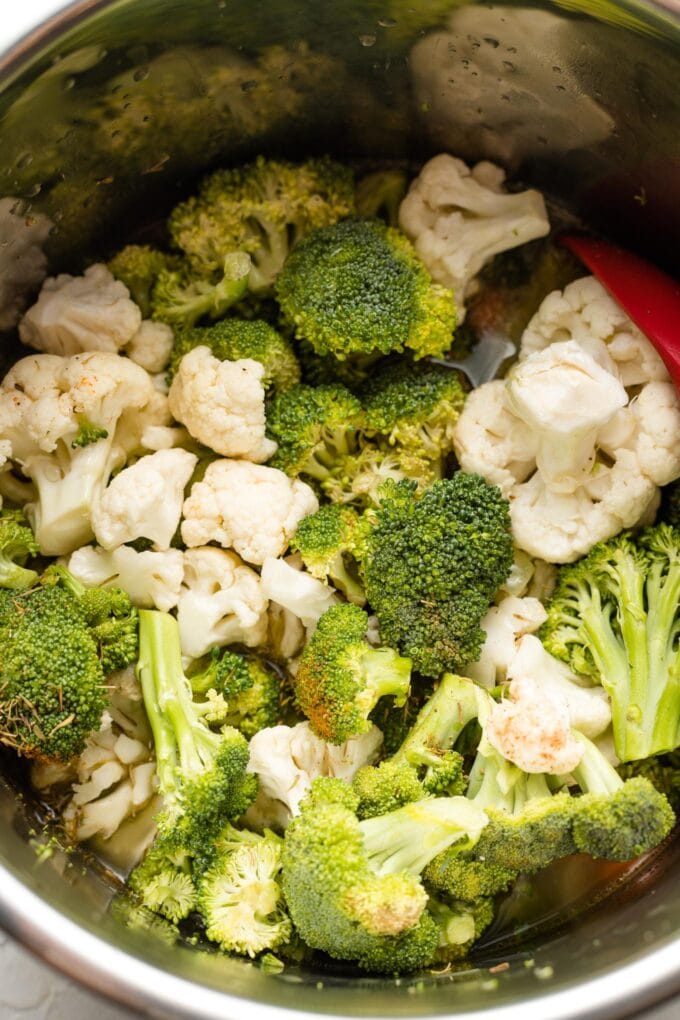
384,672
269,258
408,839
593,773
14,576
663,624
440,722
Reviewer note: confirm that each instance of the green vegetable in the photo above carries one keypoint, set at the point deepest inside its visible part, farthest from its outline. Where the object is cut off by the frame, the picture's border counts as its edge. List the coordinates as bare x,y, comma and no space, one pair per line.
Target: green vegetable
615,616
326,541
340,677
180,298
242,692
138,266
432,565
358,289
380,194
17,544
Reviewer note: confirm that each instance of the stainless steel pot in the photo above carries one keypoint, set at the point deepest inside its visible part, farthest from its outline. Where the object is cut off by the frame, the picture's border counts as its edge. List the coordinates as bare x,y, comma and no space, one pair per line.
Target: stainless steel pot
107,109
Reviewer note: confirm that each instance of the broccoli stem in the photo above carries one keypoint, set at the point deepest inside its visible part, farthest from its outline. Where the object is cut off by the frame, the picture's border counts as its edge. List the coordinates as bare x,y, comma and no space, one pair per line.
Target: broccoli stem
385,672
663,627
14,576
593,773
440,722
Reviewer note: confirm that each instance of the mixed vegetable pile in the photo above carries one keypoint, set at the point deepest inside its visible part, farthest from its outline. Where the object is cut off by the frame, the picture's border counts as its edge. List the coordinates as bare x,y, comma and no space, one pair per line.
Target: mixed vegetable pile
340,645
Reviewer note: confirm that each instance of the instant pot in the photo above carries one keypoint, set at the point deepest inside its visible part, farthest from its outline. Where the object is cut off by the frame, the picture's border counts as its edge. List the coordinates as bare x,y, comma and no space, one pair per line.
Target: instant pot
108,111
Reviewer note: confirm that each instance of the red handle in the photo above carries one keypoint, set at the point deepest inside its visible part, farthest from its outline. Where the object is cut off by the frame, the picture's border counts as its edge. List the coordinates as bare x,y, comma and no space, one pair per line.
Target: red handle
649,296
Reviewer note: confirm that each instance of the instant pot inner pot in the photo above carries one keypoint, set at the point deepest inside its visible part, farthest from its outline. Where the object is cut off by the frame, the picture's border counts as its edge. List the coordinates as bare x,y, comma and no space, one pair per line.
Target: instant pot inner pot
107,115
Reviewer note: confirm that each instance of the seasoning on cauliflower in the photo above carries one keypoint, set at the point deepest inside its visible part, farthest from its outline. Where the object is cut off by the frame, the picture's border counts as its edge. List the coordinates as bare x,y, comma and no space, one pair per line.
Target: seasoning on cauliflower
577,459
285,583
153,580
248,507
151,346
221,603
144,500
287,758
459,218
92,312
586,313
532,729
222,404
23,264
61,417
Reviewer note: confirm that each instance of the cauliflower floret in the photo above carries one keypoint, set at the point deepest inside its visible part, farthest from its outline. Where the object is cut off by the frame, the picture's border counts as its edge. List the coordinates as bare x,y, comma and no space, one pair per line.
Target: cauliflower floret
61,416
222,404
286,759
504,625
92,312
491,441
588,707
221,603
151,346
145,500
22,261
564,397
585,312
252,508
459,218
529,577
532,729
153,580
285,583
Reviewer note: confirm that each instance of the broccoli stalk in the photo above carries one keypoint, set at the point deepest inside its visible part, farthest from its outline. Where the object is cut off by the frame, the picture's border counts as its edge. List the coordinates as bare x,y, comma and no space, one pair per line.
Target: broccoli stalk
17,544
181,299
326,540
615,616
201,773
340,677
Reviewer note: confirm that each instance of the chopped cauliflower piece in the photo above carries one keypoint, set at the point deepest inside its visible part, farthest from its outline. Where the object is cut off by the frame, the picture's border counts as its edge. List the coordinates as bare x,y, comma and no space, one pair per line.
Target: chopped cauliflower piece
92,312
153,580
532,729
504,625
222,404
221,603
459,218
249,507
151,346
144,500
585,312
23,264
288,585
286,759
493,442
588,707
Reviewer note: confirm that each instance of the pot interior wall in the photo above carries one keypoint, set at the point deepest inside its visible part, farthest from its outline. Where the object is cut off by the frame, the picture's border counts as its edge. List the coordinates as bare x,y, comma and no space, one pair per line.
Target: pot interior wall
106,122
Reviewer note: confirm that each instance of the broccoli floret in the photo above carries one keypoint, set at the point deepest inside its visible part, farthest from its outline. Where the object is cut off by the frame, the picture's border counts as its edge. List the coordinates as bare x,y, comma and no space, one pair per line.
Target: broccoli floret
201,774
359,289
385,787
264,209
414,407
234,339
326,541
138,266
326,370
248,693
460,529
239,896
315,428
663,772
181,298
87,434
380,194
615,616
17,544
340,677
52,684
352,887
617,819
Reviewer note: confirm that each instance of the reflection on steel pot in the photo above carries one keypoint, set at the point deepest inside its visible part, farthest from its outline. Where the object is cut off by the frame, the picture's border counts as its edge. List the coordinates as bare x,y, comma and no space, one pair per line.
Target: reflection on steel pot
108,111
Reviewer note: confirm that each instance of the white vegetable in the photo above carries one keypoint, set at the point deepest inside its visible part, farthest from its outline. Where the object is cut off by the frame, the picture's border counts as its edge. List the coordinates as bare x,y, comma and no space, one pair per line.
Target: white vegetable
459,218
252,508
504,625
222,404
585,312
153,580
565,397
23,264
44,399
151,346
529,577
92,312
145,500
532,729
286,759
588,707
286,584
492,441
221,603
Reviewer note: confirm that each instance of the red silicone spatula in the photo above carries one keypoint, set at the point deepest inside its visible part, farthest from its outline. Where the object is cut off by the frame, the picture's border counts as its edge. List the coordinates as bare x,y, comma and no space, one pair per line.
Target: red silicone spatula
651,298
